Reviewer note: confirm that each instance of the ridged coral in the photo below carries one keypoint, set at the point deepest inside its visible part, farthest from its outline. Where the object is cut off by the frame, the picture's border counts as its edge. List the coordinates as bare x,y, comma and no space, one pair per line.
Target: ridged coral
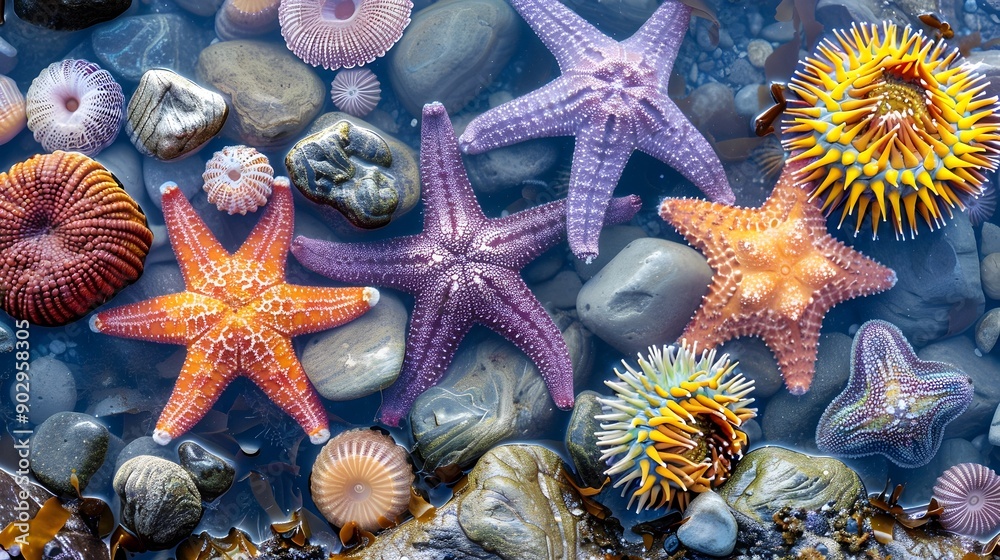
893,125
672,428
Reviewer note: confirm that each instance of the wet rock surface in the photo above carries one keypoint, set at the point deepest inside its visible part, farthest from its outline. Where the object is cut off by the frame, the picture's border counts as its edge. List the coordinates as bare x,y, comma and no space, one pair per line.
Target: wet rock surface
160,501
130,46
64,443
69,15
211,474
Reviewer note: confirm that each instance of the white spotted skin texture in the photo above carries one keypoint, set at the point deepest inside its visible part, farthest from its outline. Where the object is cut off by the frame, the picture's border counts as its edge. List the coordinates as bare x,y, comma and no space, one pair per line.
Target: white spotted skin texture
613,97
237,316
463,269
894,404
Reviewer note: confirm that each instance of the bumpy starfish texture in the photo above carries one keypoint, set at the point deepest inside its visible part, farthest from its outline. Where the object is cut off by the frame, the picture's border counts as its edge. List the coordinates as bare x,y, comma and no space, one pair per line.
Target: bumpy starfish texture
236,317
463,269
894,403
613,97
776,273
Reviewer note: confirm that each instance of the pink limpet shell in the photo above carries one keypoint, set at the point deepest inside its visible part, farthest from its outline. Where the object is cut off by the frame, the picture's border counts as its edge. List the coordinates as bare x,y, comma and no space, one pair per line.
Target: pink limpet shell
238,179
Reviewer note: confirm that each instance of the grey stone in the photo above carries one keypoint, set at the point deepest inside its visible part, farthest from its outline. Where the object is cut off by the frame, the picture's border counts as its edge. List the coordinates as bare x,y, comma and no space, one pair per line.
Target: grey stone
960,352
491,393
126,165
69,15
361,357
64,442
990,275
52,389
352,168
938,293
581,439
211,473
709,527
779,32
160,501
645,295
142,446
510,166
451,50
269,108
561,291
770,478
201,8
791,419
748,101
170,117
988,330
613,240
989,237
129,46
185,172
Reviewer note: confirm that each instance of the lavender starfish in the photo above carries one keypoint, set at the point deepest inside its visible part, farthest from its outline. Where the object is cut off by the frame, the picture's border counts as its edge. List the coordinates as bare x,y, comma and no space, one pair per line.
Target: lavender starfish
463,269
895,403
613,97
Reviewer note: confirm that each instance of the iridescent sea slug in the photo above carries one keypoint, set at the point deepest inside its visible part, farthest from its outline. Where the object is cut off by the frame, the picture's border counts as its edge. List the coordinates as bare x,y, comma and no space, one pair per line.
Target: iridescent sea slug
893,125
673,428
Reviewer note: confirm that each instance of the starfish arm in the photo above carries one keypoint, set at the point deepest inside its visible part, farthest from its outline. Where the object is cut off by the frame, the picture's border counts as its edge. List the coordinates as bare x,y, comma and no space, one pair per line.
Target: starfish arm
295,310
600,155
271,237
682,147
198,251
568,36
515,240
172,319
450,206
515,313
661,36
279,374
205,374
400,263
551,110
436,330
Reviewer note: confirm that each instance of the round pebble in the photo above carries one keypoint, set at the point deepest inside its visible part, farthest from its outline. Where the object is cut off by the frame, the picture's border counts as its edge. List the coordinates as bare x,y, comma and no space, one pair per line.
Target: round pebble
710,527
64,443
213,475
989,273
160,501
757,52
988,330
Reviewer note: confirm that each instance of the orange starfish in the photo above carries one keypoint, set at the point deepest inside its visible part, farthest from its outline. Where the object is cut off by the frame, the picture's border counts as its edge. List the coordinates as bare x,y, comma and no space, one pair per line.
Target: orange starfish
236,317
777,273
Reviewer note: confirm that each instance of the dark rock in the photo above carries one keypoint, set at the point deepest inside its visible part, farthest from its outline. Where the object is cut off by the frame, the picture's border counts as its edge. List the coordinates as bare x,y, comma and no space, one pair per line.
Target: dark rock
129,46
69,15
142,446
757,363
160,502
64,442
581,441
213,475
352,169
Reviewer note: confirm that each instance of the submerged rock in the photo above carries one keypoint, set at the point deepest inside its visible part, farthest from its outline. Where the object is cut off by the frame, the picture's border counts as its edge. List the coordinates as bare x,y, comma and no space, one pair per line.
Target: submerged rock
160,501
69,15
129,46
65,443
709,527
211,473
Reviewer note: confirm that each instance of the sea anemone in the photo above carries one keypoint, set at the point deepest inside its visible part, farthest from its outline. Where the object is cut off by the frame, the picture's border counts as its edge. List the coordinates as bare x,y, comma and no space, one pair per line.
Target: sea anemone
12,115
245,18
981,208
892,125
673,428
362,476
238,179
70,235
970,496
74,105
356,91
342,33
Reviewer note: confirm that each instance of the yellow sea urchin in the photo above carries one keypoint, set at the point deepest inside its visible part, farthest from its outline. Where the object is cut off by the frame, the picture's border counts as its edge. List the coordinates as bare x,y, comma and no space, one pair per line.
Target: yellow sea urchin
893,124
674,426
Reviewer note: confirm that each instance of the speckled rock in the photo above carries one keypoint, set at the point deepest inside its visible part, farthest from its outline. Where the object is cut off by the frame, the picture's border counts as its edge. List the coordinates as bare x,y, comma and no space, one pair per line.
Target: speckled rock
361,357
211,474
770,478
69,15
351,168
451,50
938,293
960,351
53,389
645,295
988,330
269,108
709,526
491,393
757,52
67,441
160,502
170,117
989,270
129,46
581,441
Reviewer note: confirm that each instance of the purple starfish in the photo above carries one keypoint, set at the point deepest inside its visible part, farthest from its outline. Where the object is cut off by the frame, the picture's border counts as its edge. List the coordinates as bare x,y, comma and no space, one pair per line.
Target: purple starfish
613,97
463,269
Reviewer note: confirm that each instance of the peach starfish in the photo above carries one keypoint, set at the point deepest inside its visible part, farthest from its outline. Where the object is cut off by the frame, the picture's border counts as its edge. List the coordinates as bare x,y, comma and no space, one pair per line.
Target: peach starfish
777,273
236,317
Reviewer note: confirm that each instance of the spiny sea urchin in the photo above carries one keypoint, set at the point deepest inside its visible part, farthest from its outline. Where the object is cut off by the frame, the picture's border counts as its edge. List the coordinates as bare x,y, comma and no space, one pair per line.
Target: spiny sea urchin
673,427
893,126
